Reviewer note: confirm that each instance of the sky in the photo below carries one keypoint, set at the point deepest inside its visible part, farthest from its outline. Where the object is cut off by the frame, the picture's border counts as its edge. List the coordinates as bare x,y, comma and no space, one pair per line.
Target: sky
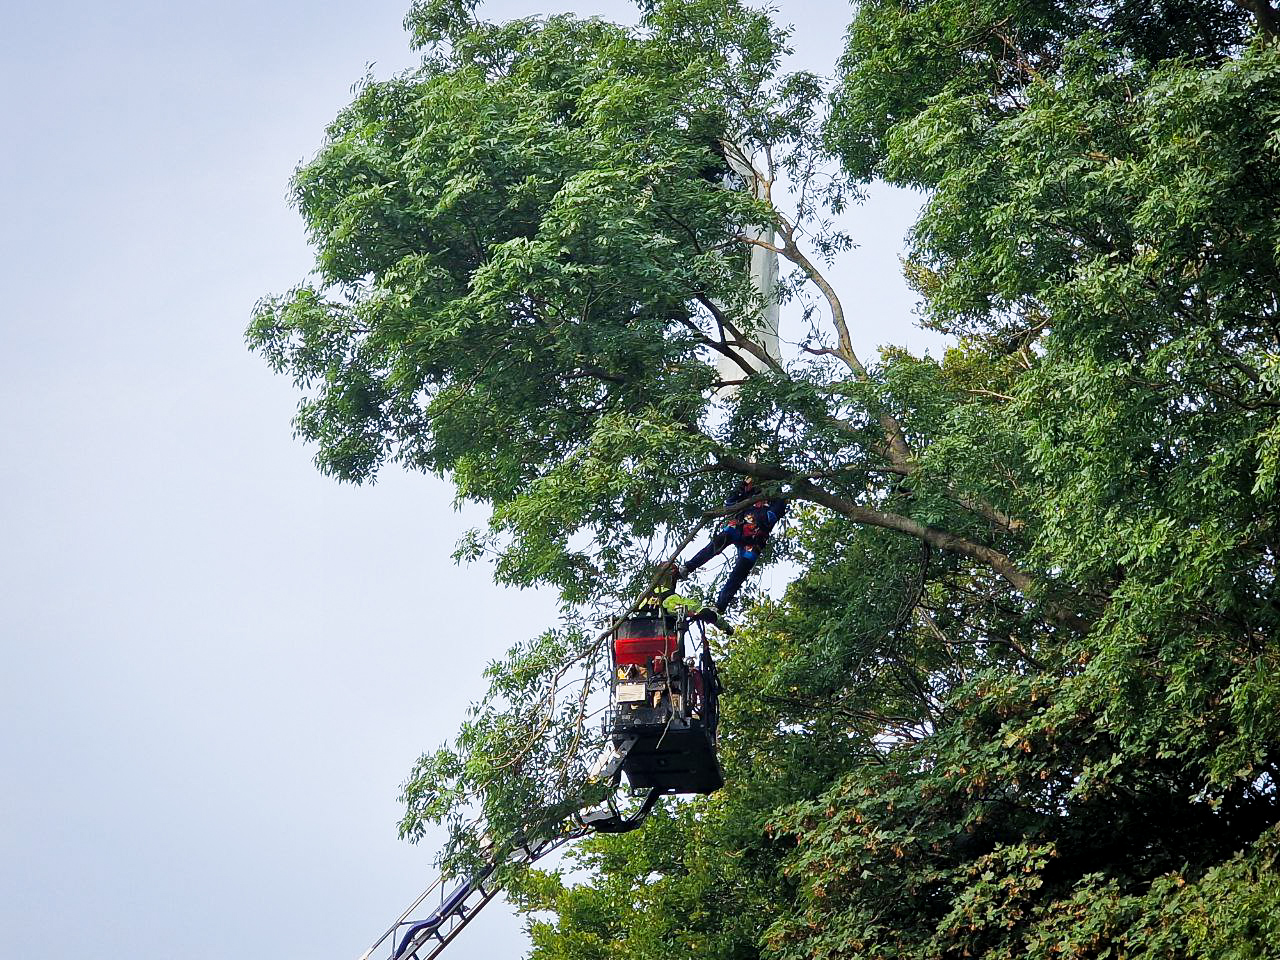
216,665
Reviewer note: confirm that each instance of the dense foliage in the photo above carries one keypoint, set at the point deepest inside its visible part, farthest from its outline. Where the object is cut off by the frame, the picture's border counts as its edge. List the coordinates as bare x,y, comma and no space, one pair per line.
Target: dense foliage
1022,697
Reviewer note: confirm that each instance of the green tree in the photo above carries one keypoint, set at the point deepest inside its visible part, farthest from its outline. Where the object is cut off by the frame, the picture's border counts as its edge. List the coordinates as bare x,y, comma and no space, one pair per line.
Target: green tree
1021,697
1103,215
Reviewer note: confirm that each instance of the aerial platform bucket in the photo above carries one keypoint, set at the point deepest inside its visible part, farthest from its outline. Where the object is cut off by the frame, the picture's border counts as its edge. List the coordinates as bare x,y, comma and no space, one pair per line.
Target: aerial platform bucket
675,759
664,707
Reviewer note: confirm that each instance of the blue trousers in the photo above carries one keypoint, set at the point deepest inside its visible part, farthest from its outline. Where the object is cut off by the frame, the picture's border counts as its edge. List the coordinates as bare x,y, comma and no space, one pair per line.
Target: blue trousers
748,554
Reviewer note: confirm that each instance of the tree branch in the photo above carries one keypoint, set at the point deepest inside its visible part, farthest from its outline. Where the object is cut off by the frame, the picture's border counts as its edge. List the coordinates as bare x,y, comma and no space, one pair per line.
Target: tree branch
899,451
722,348
763,244
936,537
1264,14
746,343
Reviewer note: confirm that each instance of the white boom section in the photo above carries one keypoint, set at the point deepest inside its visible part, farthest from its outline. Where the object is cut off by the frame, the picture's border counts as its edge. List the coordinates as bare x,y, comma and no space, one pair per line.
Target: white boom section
764,277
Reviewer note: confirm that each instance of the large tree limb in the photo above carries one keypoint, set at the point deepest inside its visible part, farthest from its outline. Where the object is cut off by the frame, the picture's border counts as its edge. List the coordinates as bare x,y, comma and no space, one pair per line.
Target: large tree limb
722,348
895,448
746,343
935,537
1267,18
895,436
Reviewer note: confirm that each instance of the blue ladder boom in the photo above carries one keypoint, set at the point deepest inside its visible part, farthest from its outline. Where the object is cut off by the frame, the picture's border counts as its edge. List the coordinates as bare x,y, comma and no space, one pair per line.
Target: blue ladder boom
423,936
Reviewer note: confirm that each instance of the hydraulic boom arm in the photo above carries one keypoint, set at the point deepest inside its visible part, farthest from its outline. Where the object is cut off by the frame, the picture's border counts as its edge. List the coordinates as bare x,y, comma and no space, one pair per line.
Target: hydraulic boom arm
419,935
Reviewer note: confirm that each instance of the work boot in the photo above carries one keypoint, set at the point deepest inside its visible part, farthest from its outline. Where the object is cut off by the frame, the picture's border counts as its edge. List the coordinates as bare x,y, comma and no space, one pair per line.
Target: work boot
712,615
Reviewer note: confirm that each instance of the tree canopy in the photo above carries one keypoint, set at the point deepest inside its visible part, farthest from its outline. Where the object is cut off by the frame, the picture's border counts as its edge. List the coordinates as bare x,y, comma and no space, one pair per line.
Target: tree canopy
1021,697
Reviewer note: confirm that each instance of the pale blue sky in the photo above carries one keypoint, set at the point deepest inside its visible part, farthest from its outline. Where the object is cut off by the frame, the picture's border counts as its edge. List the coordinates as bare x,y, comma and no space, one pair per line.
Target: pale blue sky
216,666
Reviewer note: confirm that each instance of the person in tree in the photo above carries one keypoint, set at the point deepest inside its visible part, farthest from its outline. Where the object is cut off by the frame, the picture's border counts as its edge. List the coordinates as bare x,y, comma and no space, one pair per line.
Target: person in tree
748,529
